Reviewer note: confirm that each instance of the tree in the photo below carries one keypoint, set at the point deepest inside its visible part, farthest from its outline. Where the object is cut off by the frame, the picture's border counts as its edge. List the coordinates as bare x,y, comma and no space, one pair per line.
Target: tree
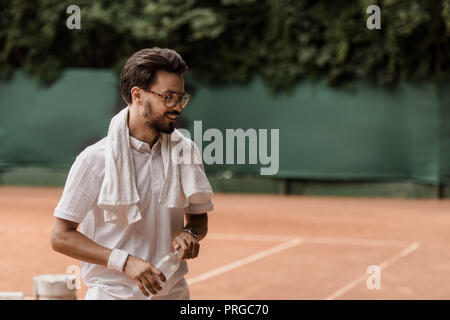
231,40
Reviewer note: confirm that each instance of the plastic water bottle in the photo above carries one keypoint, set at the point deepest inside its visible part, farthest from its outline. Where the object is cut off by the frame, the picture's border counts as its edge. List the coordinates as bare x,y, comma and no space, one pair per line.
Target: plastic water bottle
167,265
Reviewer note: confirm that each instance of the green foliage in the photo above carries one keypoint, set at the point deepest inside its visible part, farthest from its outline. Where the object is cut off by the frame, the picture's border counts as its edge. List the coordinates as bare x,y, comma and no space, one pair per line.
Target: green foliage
232,40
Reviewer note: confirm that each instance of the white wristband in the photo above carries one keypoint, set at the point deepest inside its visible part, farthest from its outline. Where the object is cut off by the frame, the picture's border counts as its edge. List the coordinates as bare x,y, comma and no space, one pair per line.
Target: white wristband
117,259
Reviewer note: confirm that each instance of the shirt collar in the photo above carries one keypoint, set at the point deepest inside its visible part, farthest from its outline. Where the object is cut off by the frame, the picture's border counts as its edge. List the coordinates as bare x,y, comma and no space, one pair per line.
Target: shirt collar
143,146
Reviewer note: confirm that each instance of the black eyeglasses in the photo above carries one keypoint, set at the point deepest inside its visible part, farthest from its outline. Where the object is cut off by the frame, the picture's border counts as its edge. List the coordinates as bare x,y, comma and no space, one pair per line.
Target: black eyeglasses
171,99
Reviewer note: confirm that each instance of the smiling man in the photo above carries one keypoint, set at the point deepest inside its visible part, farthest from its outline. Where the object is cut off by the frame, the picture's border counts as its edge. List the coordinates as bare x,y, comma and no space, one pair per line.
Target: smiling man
118,257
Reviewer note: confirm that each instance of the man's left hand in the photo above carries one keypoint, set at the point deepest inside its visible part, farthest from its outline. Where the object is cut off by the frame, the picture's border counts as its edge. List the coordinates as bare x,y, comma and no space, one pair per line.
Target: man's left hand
188,243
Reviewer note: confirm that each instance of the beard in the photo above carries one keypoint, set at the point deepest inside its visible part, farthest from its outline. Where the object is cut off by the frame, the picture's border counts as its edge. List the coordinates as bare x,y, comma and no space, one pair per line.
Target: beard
159,125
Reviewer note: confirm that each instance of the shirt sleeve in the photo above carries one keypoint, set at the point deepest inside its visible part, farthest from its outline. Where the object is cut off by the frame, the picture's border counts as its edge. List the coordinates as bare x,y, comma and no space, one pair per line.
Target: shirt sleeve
199,189
80,192
199,207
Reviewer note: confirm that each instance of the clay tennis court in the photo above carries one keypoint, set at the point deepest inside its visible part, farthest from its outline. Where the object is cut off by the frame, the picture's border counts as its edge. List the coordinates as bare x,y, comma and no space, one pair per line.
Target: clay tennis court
268,246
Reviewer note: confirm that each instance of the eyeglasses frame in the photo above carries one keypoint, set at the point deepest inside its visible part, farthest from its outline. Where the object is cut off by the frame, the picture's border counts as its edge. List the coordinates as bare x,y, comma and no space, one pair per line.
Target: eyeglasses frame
184,95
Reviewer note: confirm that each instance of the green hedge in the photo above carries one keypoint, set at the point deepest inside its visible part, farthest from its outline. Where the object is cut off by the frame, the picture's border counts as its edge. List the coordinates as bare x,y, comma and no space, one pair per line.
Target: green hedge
231,40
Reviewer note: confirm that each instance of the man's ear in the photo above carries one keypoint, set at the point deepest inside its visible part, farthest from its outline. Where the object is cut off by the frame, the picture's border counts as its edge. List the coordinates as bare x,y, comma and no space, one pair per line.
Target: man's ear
136,96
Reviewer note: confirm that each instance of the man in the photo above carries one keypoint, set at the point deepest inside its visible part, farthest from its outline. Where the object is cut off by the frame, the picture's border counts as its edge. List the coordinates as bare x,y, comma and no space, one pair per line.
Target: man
153,87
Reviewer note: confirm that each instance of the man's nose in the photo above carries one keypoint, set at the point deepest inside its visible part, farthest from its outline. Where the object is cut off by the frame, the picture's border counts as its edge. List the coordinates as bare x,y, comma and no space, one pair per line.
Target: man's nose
178,107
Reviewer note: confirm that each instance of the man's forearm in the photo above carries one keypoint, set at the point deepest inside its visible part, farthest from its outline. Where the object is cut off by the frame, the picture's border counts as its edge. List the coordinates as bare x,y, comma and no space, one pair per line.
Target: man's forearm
80,247
198,222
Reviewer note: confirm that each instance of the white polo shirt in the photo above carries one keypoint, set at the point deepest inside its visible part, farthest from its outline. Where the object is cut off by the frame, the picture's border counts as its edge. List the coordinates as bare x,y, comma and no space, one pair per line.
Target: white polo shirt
149,239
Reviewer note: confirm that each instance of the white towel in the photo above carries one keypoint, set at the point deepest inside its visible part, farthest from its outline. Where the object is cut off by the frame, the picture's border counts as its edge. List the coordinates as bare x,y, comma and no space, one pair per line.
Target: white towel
184,182
182,163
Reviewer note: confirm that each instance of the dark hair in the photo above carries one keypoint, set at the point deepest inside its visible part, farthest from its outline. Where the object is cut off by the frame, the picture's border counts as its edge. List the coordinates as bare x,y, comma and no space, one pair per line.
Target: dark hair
141,67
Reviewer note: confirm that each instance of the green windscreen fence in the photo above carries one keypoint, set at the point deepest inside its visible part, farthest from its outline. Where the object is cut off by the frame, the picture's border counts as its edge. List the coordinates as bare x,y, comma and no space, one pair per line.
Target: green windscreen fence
356,132
50,126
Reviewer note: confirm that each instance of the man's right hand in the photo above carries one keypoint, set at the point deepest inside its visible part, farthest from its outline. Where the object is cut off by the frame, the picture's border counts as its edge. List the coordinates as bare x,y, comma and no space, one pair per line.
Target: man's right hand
144,274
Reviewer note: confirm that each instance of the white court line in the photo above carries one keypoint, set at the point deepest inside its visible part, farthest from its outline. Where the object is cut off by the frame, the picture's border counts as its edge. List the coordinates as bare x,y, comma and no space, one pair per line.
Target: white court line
244,261
382,265
323,240
291,241
23,229
250,237
357,241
